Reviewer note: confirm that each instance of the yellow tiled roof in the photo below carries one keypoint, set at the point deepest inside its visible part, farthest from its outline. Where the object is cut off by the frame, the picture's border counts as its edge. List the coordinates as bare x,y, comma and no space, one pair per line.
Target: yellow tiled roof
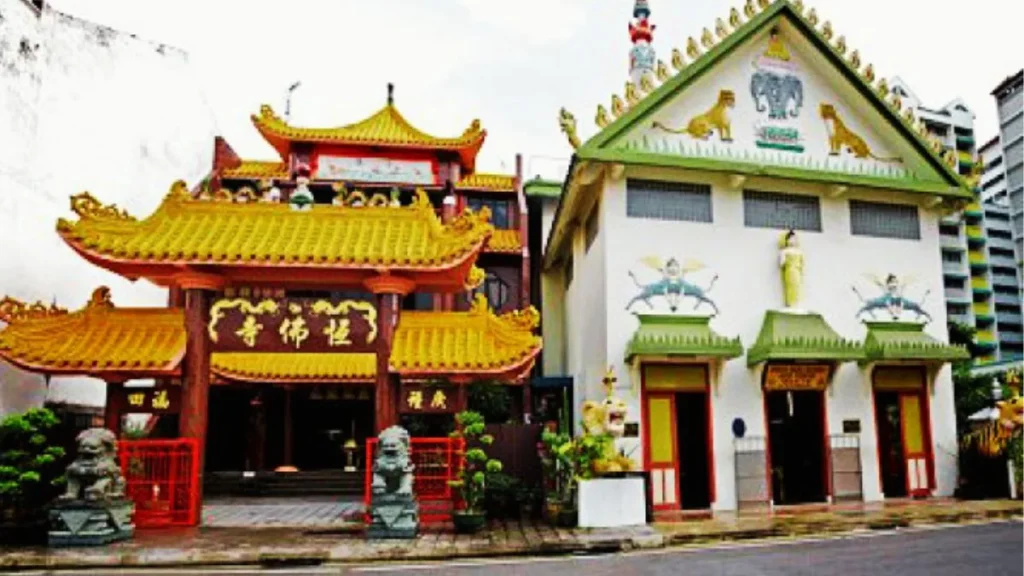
258,169
477,341
295,367
184,230
99,339
488,182
506,241
103,340
387,127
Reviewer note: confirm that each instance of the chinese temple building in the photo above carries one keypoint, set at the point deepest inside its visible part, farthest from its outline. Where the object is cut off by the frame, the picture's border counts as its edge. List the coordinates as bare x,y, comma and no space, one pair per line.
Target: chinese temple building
367,274
749,238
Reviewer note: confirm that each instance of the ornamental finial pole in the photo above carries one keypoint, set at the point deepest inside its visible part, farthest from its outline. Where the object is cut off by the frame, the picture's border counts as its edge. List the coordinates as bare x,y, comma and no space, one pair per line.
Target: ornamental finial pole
391,94
641,33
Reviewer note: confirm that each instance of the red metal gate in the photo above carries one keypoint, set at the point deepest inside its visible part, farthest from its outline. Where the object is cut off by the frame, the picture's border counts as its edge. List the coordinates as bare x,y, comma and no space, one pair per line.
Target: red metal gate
162,478
436,461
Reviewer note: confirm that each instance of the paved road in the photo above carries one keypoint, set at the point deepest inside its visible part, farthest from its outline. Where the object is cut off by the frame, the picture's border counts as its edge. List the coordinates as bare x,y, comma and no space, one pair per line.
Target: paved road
980,550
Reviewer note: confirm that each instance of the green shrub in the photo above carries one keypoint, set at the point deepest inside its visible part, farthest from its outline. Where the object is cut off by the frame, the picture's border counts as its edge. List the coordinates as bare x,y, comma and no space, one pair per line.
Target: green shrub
476,467
30,467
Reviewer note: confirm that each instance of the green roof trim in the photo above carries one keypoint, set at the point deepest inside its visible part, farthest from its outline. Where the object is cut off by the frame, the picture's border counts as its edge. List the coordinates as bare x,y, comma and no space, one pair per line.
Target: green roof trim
954,184
907,341
543,188
688,336
801,336
639,158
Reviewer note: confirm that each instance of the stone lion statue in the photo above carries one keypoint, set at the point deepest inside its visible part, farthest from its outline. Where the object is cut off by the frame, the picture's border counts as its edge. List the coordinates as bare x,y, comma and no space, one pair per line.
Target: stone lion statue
94,474
392,470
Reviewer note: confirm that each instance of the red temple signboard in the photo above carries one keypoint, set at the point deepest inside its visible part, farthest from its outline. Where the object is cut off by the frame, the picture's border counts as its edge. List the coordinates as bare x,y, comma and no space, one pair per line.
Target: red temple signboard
796,377
148,400
431,399
292,325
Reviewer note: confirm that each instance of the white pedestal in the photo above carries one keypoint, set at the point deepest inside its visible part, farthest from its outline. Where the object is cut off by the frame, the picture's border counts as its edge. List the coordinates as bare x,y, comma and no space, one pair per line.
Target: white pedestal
612,502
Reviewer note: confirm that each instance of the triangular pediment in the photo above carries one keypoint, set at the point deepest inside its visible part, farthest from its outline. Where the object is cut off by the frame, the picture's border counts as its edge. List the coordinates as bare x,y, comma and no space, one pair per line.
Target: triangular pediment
779,95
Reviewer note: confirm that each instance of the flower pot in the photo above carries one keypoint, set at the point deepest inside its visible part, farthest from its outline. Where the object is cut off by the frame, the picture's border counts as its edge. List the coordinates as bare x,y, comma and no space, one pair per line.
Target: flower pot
551,510
468,522
567,518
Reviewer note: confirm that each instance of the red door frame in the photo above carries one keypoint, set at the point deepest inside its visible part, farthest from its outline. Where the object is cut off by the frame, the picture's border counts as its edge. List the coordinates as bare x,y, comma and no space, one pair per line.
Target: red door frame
926,422
671,397
826,468
709,442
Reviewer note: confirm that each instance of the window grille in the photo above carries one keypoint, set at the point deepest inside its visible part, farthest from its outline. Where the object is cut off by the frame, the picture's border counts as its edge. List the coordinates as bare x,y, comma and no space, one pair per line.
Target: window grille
953,257
668,201
956,309
783,211
501,211
880,220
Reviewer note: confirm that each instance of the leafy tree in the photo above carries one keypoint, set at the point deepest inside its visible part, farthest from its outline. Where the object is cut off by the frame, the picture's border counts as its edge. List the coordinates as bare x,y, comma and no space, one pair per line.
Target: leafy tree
491,399
30,467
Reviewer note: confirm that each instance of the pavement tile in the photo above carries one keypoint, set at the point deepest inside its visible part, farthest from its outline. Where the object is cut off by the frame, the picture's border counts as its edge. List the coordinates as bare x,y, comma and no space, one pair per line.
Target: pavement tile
249,545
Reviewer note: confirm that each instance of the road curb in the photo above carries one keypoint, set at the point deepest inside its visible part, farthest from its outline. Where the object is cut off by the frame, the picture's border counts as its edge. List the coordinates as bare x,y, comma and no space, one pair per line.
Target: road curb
582,543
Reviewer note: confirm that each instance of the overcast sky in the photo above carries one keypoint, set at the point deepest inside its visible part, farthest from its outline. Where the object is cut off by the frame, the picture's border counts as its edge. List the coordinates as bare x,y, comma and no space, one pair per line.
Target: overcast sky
514,63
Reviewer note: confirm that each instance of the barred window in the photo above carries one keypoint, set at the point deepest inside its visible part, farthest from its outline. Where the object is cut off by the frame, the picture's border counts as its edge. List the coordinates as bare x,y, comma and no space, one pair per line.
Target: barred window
956,309
668,201
880,220
784,211
951,257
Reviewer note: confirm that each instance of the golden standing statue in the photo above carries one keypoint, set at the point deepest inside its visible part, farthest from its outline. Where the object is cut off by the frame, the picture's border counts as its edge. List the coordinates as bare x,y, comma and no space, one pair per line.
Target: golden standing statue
791,262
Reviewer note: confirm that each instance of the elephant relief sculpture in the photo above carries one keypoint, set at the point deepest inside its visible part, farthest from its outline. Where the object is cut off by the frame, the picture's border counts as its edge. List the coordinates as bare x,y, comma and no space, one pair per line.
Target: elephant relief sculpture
778,91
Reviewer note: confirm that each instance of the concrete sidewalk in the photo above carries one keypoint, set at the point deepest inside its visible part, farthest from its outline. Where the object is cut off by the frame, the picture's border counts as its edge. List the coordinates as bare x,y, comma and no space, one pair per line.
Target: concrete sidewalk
290,546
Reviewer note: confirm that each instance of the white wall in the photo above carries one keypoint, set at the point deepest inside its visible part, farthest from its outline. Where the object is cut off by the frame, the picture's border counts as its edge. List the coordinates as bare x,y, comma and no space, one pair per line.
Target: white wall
586,326
749,283
84,107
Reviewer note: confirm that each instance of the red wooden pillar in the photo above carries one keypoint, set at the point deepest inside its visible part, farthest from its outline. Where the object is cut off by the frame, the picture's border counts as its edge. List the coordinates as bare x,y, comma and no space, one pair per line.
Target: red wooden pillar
196,382
112,408
388,290
287,440
448,213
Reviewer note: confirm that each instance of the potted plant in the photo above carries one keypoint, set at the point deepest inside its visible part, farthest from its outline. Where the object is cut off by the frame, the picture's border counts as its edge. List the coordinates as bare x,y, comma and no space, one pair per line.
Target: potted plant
472,477
31,474
557,451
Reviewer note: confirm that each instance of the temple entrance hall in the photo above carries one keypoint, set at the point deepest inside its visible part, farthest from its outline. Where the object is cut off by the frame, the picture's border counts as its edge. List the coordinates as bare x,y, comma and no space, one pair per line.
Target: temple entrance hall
284,441
796,438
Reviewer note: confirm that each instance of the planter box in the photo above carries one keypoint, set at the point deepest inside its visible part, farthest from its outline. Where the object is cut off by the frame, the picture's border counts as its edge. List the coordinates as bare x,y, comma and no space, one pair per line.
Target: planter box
612,502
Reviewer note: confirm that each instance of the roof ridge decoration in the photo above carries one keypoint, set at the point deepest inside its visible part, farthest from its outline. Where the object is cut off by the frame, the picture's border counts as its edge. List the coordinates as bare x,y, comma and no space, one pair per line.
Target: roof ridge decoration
386,127
96,339
13,310
99,340
755,16
209,229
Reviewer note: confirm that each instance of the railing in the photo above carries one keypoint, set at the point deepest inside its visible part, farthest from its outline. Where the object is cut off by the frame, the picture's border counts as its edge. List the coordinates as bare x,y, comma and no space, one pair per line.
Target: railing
752,490
162,479
436,462
847,477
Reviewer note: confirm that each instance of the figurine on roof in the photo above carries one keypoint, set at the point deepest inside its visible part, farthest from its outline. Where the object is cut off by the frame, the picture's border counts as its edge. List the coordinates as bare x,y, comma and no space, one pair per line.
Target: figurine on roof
301,198
641,32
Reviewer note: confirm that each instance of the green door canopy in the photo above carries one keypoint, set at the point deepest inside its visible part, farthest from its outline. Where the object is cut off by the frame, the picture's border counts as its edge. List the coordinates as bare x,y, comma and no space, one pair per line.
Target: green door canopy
795,336
680,336
907,341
